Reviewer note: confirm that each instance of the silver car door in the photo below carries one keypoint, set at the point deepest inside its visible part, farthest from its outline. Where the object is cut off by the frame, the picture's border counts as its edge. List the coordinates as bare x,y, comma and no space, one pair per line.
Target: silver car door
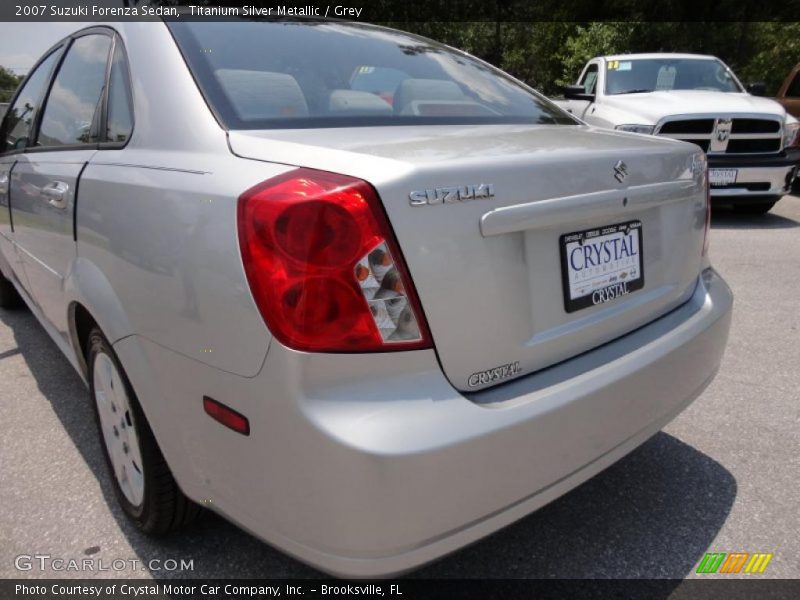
15,136
44,182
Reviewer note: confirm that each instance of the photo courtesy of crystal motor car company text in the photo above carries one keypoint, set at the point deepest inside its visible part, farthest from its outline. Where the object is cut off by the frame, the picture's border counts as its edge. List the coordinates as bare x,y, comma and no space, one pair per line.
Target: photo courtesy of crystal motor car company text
339,283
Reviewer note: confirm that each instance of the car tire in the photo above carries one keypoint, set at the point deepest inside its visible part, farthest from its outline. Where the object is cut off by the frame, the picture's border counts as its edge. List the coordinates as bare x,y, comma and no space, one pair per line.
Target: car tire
9,297
143,483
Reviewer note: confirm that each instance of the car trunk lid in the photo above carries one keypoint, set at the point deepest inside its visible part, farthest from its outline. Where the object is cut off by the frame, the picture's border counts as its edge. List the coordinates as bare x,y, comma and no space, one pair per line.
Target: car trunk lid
485,254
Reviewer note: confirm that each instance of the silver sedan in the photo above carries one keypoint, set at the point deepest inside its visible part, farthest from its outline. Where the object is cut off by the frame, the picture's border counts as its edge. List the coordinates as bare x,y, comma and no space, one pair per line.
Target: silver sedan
362,294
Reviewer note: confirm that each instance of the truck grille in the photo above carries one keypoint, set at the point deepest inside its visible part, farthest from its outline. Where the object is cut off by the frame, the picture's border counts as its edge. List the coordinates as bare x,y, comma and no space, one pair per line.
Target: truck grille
704,126
726,135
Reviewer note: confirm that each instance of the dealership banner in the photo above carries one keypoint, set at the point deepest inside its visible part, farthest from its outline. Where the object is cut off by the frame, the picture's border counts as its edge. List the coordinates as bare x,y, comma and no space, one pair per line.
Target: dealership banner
400,589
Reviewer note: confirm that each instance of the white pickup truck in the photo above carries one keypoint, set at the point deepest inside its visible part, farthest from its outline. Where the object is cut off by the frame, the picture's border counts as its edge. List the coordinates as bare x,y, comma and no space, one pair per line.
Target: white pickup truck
752,143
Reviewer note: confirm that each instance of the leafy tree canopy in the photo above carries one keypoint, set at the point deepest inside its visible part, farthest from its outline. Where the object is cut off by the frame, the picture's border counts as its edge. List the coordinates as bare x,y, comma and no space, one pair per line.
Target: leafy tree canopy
548,55
8,84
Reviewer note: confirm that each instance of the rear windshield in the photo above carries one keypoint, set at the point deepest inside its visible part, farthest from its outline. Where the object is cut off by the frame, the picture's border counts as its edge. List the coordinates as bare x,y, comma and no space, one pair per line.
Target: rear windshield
273,74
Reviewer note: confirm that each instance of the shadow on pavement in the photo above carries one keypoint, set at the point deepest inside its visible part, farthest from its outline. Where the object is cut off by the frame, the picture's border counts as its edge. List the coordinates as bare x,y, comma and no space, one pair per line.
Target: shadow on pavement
653,514
725,217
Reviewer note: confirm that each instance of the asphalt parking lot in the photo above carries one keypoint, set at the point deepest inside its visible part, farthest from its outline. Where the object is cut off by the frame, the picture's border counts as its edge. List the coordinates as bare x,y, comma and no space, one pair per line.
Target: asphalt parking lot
722,477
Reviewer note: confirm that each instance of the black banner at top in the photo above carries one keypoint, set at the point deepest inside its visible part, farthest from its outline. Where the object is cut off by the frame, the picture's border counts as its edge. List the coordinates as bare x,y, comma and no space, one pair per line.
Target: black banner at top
406,10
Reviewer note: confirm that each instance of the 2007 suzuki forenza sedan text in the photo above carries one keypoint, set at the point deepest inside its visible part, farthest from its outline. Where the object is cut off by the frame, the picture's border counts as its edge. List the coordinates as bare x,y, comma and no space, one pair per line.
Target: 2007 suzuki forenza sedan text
362,294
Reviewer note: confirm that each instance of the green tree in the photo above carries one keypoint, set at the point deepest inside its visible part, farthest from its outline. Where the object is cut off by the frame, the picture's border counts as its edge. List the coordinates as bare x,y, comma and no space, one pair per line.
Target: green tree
776,49
8,84
588,41
550,54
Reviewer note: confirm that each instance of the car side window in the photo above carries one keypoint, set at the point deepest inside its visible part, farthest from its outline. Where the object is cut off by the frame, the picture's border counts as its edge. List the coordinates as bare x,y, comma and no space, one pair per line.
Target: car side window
19,119
72,111
120,105
794,87
589,79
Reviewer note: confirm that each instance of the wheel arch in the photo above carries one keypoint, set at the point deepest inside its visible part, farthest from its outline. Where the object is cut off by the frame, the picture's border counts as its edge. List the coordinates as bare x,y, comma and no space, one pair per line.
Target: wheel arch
81,324
93,302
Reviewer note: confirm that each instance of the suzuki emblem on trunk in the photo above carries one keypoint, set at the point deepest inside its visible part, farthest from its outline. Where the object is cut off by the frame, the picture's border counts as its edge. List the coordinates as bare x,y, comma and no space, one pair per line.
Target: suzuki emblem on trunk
620,171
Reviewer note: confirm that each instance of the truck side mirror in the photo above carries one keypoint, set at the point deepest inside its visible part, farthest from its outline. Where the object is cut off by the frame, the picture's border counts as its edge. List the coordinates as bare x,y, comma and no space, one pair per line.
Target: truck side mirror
758,88
576,92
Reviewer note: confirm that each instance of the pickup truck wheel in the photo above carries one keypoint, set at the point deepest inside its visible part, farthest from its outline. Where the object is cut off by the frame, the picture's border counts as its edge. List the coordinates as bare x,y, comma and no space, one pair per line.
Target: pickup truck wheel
9,298
143,483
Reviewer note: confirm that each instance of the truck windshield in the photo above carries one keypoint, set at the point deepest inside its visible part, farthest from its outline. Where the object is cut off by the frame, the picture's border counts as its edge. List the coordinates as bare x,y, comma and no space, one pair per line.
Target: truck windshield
661,74
289,74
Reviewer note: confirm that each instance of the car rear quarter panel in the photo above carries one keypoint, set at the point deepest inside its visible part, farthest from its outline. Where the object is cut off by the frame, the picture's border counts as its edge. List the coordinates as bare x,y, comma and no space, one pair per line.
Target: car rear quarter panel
166,242
158,264
156,221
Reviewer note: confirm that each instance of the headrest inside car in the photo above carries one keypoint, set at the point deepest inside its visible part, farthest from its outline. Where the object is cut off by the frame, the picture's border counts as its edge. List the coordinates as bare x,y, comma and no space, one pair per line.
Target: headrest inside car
411,90
257,95
353,101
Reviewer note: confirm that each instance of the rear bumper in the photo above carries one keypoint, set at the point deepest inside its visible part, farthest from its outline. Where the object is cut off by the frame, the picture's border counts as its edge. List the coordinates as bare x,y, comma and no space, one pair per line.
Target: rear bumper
397,472
372,467
757,176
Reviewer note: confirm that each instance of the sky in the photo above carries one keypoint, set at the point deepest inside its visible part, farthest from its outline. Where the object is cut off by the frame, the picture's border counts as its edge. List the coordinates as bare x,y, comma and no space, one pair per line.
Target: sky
21,44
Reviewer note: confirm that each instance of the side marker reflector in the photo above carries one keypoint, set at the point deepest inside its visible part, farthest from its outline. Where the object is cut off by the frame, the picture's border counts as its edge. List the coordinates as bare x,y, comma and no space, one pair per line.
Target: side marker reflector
227,416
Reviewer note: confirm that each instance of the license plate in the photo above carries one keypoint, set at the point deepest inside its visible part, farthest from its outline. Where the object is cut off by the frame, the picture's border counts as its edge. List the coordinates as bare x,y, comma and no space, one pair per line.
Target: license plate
719,177
599,265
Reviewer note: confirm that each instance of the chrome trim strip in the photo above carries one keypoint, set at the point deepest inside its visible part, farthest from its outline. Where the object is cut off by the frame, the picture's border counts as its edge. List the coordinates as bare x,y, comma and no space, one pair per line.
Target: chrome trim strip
552,212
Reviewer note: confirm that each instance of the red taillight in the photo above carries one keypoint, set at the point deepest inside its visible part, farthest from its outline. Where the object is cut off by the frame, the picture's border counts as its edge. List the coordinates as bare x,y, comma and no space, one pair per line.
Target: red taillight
706,231
324,268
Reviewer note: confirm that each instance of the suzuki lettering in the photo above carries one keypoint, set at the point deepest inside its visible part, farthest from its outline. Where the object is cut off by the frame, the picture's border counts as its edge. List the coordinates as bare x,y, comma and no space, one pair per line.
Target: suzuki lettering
449,195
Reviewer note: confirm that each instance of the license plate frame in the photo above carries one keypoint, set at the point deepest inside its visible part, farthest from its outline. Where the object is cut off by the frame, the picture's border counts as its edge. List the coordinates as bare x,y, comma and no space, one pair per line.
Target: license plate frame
722,177
624,276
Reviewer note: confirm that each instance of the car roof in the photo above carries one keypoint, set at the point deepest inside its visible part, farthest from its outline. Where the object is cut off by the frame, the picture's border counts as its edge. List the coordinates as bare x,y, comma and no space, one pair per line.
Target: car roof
652,55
